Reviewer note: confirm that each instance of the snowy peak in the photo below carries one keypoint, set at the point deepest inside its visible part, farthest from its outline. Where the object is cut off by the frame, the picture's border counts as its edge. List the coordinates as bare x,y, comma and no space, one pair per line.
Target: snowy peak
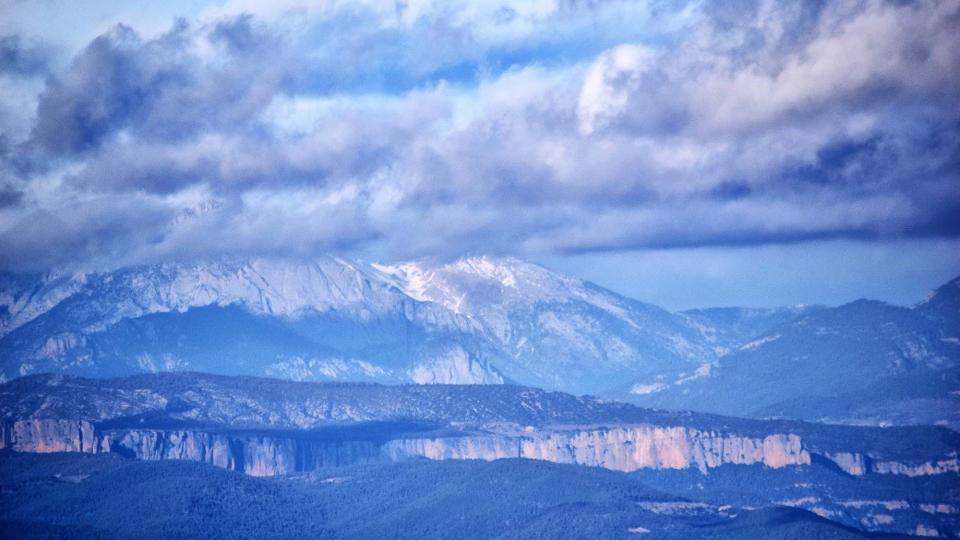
274,287
264,286
485,287
474,320
24,297
475,283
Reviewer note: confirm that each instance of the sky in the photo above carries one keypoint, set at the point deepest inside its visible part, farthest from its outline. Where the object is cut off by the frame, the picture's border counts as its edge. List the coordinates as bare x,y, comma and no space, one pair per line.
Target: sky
685,153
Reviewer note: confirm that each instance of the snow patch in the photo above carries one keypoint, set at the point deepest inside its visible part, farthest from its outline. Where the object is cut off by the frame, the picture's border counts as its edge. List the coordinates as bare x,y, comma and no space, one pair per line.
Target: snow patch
758,342
645,389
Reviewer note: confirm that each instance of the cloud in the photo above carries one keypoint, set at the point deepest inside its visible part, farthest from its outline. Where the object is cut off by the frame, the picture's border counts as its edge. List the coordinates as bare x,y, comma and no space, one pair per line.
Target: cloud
9,196
882,52
184,82
99,230
23,59
609,83
441,129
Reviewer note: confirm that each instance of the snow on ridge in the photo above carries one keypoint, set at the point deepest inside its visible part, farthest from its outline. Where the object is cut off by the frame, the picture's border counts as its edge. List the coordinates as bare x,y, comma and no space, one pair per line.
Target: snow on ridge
470,292
758,342
453,285
644,389
272,286
25,304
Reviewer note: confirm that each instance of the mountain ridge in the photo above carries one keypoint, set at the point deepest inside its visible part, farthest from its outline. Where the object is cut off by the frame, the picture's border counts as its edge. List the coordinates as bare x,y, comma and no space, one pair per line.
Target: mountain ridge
477,320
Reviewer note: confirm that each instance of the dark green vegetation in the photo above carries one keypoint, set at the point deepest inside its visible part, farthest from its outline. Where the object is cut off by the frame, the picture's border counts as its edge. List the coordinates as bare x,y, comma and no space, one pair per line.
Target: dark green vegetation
78,496
854,501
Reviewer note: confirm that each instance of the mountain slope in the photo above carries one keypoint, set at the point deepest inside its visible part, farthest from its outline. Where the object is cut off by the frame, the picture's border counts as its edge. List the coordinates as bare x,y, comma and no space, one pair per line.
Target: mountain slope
48,412
865,362
491,321
943,306
556,332
478,320
364,444
728,328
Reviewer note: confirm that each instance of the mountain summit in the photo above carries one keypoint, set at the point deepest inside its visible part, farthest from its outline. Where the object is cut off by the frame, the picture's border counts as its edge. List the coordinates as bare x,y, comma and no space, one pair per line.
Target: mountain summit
477,320
485,320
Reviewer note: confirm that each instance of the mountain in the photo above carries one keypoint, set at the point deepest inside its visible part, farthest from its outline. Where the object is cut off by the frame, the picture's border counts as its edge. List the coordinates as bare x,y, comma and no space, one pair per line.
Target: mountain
324,319
864,362
943,306
269,426
478,320
555,331
364,444
729,327
486,320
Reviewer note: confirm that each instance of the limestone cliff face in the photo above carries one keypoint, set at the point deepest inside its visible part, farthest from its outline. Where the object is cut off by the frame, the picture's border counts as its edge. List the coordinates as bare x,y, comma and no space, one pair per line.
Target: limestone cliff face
48,435
256,455
623,448
851,463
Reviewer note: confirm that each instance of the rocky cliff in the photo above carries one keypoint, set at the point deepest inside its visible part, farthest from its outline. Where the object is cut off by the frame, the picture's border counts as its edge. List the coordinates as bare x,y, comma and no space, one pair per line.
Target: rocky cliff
622,448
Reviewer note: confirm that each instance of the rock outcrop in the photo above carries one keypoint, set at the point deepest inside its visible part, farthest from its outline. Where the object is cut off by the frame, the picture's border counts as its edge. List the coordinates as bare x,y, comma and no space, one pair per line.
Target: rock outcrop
271,427
622,448
49,435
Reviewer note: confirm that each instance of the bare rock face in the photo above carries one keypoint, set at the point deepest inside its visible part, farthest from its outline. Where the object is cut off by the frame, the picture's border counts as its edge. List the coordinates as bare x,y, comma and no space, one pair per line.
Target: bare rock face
267,427
455,367
256,455
623,448
48,435
853,464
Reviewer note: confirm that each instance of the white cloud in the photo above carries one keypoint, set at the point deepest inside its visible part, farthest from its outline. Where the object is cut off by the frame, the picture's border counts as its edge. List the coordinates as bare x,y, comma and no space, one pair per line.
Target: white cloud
610,83
328,131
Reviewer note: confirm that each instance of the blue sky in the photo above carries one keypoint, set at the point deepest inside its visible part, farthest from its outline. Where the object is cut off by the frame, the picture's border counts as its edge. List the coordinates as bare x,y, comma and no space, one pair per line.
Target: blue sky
686,153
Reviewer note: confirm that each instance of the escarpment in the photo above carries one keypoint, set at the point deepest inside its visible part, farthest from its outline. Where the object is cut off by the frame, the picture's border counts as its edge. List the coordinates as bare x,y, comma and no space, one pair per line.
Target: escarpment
49,435
270,427
622,448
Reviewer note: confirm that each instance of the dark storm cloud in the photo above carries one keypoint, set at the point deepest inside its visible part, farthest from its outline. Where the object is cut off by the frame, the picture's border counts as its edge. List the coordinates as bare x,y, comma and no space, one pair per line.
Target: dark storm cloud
157,89
458,129
99,93
9,196
23,59
94,231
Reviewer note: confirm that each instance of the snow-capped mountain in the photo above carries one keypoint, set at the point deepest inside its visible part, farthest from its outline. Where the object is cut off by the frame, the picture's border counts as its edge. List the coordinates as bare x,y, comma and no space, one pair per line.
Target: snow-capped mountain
477,320
486,320
261,286
276,317
556,331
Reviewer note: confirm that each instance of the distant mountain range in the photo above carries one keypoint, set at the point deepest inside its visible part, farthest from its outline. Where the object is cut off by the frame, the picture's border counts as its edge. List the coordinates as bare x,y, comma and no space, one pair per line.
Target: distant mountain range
491,321
865,362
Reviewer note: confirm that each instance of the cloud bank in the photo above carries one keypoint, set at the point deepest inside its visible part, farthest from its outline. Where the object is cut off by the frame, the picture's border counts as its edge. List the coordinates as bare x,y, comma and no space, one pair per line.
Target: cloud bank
445,128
